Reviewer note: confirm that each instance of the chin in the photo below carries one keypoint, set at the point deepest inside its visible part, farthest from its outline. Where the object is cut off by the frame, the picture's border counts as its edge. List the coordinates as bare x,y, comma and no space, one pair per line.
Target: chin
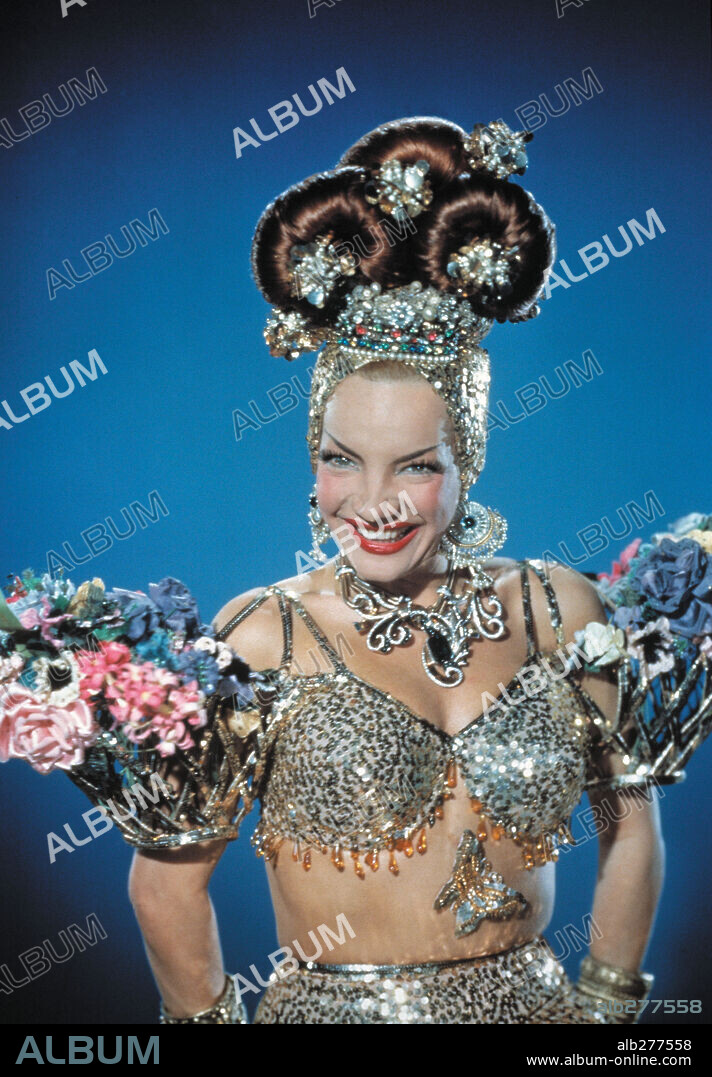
387,568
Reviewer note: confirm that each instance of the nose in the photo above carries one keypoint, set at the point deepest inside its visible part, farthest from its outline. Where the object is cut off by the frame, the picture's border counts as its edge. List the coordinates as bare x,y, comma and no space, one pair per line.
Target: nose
380,504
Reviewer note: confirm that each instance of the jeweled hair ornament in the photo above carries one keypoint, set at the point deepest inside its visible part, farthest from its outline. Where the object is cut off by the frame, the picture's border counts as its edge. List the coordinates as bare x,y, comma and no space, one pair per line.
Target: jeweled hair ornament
288,333
484,267
317,267
401,191
496,149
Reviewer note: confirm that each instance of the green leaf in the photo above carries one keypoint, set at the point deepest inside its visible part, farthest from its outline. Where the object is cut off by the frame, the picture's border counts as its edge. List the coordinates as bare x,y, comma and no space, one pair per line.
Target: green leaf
107,633
8,620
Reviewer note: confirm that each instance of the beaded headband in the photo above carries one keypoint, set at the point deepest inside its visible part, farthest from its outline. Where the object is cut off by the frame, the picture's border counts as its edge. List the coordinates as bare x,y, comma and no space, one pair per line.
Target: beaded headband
435,334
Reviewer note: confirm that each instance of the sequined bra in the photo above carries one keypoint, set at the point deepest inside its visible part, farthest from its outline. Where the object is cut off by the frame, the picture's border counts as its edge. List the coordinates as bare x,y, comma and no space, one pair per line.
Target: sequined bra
343,767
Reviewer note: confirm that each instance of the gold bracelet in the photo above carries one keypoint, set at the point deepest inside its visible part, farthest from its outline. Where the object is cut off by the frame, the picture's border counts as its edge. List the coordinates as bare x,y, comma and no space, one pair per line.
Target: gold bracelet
610,984
228,1010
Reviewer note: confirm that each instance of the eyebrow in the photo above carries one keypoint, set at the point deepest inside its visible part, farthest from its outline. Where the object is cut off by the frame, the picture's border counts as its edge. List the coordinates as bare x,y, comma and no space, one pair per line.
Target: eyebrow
400,460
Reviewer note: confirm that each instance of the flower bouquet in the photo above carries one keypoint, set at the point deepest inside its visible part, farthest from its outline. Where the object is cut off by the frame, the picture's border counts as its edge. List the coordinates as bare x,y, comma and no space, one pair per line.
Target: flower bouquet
659,641
133,698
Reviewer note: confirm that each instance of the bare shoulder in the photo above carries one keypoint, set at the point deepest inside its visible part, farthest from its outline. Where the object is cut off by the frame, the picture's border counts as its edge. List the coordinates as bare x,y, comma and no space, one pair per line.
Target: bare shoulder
315,582
576,596
504,571
257,635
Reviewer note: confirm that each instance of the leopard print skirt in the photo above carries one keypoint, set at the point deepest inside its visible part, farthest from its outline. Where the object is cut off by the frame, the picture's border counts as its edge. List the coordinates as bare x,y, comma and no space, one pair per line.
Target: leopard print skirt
521,986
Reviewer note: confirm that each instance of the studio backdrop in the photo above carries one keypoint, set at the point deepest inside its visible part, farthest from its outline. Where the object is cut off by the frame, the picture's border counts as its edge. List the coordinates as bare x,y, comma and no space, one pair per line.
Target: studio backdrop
146,431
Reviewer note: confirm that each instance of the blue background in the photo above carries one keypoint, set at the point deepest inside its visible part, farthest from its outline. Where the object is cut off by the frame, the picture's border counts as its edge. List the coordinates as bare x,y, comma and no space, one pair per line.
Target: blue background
179,326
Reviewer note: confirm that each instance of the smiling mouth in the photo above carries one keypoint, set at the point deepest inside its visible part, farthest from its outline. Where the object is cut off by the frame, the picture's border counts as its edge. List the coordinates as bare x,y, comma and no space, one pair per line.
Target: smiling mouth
388,538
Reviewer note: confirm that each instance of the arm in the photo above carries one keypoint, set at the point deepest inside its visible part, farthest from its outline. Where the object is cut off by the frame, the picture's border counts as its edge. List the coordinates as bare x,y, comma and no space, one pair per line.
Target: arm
630,875
169,888
169,894
631,850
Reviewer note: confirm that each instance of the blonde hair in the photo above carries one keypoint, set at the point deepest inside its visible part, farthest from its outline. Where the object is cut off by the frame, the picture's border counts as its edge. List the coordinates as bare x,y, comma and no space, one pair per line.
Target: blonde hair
390,370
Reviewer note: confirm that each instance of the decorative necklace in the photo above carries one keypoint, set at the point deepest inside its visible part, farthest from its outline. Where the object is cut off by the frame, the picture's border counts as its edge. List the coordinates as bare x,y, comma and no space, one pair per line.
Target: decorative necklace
451,623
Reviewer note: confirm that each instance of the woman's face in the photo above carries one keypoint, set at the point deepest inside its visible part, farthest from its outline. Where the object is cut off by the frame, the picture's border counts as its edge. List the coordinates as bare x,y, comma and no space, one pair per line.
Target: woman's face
387,481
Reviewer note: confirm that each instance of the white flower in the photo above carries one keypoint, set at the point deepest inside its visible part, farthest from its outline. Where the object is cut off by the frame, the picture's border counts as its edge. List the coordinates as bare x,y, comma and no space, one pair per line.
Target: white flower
205,643
601,643
224,656
687,523
58,588
10,667
64,664
652,646
704,538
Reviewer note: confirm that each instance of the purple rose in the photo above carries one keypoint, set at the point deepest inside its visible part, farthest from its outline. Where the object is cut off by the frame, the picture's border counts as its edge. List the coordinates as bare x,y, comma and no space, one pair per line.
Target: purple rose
177,606
676,580
139,613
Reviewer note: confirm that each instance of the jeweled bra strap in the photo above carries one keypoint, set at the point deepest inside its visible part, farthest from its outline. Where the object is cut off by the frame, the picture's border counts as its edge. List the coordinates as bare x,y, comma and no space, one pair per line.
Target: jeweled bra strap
313,627
285,613
552,604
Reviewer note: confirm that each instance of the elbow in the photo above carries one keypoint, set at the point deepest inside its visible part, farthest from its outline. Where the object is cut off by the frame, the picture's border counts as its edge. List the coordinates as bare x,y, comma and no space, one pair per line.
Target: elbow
168,879
635,839
144,892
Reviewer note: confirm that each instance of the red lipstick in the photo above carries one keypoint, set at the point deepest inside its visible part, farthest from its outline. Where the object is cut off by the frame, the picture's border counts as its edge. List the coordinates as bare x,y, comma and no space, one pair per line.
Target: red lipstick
382,546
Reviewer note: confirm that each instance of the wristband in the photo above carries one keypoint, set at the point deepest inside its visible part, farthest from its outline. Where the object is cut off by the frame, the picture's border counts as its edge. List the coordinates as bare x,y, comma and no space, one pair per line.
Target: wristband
605,983
228,1010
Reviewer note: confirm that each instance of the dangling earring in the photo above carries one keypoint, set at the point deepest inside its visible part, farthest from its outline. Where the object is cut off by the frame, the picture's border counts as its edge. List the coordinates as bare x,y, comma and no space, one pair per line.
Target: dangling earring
473,536
319,529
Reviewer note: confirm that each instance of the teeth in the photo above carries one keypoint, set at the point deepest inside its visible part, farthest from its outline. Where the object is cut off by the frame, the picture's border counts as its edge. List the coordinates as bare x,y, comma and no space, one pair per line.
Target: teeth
384,536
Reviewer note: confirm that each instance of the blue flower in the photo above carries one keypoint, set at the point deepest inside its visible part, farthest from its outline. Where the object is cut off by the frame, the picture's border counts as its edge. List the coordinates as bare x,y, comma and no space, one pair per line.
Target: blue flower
199,666
233,686
140,614
157,649
177,606
628,617
676,580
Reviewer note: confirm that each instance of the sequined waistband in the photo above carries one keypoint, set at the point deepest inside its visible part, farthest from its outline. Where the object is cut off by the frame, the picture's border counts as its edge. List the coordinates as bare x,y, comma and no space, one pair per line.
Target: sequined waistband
425,967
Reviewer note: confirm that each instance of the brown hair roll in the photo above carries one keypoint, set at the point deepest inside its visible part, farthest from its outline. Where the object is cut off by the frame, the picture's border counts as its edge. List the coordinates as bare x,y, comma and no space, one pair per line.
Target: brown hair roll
327,203
464,207
475,207
427,138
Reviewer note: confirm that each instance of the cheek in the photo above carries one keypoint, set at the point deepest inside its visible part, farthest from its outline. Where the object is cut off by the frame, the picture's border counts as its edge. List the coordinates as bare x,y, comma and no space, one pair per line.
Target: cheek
331,489
437,501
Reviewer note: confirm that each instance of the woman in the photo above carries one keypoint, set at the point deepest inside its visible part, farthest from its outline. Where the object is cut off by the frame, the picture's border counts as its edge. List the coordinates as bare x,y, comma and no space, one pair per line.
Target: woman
427,731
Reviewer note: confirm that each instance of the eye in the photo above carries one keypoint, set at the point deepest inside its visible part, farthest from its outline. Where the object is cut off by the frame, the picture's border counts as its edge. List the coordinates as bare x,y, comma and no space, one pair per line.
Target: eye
338,459
424,467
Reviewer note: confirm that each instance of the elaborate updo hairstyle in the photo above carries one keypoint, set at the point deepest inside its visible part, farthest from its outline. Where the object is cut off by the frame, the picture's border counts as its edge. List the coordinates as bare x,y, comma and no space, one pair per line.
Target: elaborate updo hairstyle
465,206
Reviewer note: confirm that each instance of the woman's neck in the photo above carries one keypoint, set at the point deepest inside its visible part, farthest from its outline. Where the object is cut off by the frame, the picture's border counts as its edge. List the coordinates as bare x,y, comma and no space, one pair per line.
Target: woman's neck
420,585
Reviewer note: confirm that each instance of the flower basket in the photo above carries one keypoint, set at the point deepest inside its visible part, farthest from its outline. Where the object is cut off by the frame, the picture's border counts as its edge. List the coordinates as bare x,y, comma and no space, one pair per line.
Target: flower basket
134,700
658,641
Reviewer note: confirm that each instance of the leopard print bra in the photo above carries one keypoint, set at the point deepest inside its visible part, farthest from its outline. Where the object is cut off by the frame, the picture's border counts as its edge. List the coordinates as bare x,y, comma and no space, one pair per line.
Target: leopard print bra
345,768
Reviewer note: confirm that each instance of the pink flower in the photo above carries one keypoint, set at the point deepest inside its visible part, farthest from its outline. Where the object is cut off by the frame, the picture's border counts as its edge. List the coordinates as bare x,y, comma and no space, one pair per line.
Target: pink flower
145,700
619,568
98,669
30,618
47,737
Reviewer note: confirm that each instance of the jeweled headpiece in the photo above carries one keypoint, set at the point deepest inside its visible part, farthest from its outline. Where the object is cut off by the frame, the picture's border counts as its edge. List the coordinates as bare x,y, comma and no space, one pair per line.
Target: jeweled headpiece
434,330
